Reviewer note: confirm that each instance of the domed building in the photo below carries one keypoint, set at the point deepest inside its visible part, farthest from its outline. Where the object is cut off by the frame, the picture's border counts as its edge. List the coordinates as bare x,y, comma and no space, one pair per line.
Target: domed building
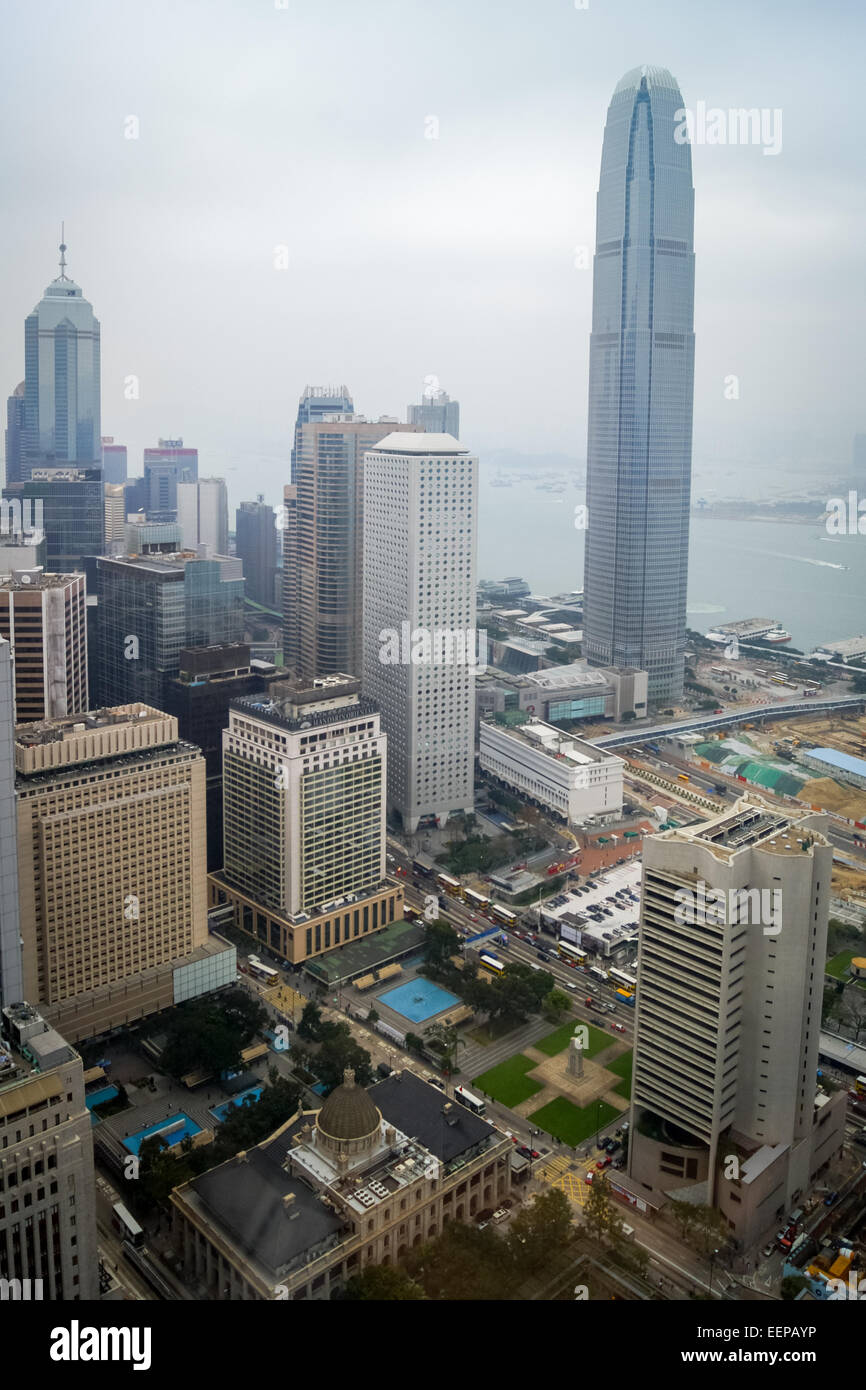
348,1124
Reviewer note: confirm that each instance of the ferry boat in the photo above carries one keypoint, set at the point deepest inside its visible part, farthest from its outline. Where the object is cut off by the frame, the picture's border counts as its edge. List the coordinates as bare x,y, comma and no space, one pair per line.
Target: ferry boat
778,634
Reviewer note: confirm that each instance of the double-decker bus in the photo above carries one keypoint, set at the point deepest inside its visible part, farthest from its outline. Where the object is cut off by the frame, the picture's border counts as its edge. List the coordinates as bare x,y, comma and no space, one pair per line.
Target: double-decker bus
491,963
449,885
860,1086
476,900
623,978
597,971
126,1225
572,954
505,915
260,971
472,1102
425,868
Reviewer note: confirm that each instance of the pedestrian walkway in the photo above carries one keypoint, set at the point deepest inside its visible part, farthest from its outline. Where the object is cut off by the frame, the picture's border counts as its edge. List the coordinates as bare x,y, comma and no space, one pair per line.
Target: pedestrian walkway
553,1168
475,1059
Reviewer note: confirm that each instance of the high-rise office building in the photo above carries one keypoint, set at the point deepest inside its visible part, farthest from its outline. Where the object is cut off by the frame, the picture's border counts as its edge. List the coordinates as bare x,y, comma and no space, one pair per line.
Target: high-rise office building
256,545
304,818
113,460
200,696
437,413
323,544
48,1240
11,979
61,378
111,868
115,518
14,434
641,376
726,1109
164,468
317,402
68,504
150,608
203,515
420,530
44,617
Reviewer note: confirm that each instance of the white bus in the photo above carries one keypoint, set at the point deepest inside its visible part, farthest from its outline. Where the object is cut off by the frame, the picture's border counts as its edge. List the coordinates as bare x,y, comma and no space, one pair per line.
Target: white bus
126,1225
598,972
624,979
263,972
476,900
571,953
471,1102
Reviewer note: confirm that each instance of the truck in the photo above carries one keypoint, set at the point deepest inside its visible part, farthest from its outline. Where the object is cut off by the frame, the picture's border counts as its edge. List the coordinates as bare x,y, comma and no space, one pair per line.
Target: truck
590,1002
626,996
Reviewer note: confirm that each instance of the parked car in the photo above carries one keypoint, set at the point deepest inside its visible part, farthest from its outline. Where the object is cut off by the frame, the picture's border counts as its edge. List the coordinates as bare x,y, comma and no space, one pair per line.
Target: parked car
501,1214
604,1162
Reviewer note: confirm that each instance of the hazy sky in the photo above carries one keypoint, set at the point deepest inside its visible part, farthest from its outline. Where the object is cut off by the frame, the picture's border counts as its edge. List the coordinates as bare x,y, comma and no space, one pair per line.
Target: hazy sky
305,127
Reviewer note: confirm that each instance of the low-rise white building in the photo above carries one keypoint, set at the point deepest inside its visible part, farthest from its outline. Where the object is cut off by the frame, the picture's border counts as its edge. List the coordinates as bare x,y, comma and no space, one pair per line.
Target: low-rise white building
566,775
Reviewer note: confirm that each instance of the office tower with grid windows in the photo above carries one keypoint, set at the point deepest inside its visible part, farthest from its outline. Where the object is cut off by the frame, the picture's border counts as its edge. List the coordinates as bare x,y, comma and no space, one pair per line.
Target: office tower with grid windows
304,776
48,1237
420,527
61,378
68,506
315,404
11,980
151,607
111,869
164,467
323,543
437,413
256,548
726,1108
641,380
44,617
113,461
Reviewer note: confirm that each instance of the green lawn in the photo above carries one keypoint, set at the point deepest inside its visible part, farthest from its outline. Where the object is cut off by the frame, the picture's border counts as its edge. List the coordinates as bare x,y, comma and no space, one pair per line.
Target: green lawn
508,1083
838,966
558,1041
621,1066
564,1121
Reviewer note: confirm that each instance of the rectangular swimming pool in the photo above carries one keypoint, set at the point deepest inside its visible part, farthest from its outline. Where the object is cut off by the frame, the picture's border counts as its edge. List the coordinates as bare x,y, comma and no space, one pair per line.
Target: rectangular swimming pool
418,1000
172,1129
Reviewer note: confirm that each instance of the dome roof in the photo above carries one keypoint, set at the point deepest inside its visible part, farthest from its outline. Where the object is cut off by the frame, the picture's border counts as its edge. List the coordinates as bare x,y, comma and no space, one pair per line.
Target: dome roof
348,1113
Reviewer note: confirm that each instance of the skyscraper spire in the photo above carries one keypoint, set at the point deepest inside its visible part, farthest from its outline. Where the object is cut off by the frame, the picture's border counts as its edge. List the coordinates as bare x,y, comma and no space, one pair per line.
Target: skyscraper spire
63,250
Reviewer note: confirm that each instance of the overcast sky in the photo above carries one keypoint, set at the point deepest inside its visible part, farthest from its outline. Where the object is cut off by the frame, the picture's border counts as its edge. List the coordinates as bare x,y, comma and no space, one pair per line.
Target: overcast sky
306,126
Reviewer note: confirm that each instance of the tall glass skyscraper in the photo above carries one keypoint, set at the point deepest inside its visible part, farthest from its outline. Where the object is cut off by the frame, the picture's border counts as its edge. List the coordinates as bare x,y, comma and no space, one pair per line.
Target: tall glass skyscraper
61,378
641,377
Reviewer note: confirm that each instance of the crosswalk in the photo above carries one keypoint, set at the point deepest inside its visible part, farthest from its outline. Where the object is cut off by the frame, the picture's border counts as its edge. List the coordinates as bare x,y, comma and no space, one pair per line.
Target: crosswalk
558,1172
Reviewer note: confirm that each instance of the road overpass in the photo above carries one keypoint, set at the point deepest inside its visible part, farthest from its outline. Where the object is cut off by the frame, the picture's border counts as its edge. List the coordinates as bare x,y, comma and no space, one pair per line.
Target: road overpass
633,737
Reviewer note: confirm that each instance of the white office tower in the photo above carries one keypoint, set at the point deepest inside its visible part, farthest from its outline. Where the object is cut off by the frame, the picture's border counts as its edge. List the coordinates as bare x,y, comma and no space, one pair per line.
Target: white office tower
726,1108
420,647
203,516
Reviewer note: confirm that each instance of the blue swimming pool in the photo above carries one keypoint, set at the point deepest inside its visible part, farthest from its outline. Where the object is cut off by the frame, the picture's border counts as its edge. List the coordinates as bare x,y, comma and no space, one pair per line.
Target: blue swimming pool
172,1129
418,1000
100,1097
248,1097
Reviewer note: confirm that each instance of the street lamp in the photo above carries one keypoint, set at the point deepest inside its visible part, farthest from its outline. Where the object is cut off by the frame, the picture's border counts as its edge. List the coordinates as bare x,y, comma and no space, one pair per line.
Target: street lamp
713,1254
597,1120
